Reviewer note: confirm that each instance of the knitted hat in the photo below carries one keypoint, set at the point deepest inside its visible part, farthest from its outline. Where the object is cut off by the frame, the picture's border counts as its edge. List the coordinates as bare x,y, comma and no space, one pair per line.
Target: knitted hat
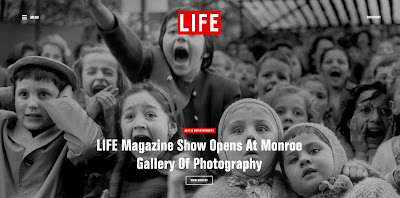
338,153
43,62
247,102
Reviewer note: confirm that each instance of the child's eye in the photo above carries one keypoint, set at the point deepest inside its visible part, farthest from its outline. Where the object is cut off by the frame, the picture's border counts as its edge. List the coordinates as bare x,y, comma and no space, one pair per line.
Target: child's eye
151,115
314,151
282,77
129,116
172,32
238,130
23,94
262,129
293,160
280,111
267,75
321,96
298,113
43,94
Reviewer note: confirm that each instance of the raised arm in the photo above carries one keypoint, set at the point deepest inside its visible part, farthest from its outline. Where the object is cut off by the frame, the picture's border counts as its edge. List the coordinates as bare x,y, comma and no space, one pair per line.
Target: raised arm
124,44
81,132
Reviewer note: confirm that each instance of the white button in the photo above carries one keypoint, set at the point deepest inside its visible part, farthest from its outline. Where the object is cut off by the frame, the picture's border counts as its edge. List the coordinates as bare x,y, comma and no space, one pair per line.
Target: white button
169,78
196,118
194,93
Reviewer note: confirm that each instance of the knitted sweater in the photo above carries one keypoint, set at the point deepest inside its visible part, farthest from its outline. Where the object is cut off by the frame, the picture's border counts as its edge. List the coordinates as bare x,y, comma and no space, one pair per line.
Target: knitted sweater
221,189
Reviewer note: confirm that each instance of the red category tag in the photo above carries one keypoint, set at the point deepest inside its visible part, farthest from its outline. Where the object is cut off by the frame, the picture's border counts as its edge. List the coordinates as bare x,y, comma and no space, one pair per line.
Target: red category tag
199,22
198,130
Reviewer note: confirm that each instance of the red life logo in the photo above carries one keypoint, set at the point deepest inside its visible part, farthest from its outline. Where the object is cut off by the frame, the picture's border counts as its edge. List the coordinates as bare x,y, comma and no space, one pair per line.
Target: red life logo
199,22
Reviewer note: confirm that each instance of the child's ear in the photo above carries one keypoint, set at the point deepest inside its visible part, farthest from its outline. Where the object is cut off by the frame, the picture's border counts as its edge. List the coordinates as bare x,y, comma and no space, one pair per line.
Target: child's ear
205,55
172,128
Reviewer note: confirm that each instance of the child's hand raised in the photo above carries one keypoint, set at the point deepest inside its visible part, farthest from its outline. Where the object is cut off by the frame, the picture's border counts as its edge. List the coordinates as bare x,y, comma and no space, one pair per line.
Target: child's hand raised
357,137
107,98
355,171
66,92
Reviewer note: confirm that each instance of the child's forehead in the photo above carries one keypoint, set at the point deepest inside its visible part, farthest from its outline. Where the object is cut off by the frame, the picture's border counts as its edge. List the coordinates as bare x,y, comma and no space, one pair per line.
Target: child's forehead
173,22
295,99
273,64
247,114
32,84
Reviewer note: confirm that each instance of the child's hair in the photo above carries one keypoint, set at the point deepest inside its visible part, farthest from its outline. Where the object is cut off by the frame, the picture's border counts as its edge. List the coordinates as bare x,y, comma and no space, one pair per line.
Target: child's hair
59,42
78,49
43,75
123,83
276,55
396,77
314,77
279,90
208,46
305,130
386,61
334,48
349,104
159,93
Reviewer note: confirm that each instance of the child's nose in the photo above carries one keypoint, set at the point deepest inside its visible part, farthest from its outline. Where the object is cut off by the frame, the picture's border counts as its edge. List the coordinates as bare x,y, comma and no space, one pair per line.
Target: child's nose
139,124
99,76
181,38
305,161
33,103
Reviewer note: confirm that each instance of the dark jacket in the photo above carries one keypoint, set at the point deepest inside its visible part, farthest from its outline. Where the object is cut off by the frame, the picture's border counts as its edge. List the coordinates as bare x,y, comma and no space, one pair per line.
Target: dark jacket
203,101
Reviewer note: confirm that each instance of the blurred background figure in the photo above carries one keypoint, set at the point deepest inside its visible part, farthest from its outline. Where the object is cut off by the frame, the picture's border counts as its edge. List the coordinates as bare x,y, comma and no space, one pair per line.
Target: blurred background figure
55,47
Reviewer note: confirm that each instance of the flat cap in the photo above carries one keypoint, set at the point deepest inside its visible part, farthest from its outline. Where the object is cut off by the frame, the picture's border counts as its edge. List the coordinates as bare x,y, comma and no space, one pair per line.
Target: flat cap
45,63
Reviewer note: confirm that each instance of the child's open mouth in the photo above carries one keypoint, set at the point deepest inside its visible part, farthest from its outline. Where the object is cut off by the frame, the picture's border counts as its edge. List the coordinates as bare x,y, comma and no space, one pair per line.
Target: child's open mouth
141,138
375,134
181,54
308,171
98,88
335,74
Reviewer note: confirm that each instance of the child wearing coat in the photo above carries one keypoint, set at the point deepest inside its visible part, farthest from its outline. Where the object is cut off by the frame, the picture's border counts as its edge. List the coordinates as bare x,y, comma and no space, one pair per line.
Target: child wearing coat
48,137
316,170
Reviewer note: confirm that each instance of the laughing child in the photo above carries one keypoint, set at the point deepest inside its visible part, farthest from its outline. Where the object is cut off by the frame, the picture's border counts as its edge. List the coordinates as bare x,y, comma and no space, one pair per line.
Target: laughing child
247,119
335,68
48,136
180,63
315,171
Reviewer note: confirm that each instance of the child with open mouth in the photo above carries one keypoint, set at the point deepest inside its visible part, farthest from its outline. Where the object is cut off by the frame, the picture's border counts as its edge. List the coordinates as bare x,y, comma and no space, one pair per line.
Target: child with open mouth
335,68
365,121
145,113
102,81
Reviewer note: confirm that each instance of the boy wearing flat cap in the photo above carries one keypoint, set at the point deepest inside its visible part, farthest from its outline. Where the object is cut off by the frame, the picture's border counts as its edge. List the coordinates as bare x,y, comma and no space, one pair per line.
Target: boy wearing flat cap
49,135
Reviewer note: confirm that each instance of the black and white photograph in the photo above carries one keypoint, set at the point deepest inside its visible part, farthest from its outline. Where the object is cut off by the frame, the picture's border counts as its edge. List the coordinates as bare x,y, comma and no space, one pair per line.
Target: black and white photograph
199,98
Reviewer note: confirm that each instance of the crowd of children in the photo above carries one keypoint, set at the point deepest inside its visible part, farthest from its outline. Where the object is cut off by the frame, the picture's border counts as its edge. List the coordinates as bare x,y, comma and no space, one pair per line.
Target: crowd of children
53,111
